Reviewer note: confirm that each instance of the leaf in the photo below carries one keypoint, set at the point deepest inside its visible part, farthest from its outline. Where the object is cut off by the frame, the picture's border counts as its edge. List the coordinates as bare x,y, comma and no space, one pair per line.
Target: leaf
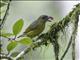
26,41
11,46
17,27
6,35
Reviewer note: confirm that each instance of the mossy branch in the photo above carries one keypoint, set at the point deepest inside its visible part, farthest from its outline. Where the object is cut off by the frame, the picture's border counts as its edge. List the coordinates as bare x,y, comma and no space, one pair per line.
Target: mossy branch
74,15
52,35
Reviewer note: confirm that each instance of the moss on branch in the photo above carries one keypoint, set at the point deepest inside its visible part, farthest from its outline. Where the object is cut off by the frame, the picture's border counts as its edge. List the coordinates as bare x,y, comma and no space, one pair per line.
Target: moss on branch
52,35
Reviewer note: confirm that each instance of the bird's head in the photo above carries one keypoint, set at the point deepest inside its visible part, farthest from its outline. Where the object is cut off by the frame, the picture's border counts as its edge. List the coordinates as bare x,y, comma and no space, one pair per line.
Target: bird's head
46,18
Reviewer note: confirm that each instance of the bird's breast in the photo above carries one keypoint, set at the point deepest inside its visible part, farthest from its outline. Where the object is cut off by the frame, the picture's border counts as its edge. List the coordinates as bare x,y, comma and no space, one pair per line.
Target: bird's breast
36,31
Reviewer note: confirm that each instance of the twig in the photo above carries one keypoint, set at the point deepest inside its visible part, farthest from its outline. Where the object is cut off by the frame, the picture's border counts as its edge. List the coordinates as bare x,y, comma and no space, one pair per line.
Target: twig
67,48
4,56
5,15
56,50
53,31
26,50
73,36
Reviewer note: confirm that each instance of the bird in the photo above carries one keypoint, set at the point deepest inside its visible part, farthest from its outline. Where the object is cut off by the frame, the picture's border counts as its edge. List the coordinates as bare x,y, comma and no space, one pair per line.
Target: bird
36,27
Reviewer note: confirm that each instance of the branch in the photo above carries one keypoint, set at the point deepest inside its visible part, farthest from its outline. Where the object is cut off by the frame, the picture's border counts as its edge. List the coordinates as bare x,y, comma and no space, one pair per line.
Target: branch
75,13
4,56
26,50
5,15
75,32
52,35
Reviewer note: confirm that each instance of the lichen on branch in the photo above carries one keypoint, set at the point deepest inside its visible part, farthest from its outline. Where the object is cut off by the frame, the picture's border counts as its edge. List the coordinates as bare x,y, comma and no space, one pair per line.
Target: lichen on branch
52,35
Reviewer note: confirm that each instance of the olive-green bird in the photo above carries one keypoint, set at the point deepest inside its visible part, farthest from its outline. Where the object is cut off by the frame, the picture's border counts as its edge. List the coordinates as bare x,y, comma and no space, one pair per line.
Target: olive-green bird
37,26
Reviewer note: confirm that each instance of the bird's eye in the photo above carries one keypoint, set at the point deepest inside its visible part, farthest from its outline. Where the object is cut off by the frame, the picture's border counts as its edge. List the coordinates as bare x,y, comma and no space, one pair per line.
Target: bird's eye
44,17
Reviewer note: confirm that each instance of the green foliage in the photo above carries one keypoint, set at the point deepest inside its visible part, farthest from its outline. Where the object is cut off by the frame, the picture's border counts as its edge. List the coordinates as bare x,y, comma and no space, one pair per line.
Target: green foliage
25,41
6,35
11,45
17,27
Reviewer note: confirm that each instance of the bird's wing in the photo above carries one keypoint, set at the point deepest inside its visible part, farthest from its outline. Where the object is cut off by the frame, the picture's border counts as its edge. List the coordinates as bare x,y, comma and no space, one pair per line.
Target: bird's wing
32,27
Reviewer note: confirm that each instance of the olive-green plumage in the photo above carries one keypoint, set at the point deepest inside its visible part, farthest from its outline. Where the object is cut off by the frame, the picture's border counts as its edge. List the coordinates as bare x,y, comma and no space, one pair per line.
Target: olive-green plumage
36,27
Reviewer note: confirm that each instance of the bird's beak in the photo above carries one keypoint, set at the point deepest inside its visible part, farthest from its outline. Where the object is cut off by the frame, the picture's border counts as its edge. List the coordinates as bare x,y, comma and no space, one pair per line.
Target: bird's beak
50,18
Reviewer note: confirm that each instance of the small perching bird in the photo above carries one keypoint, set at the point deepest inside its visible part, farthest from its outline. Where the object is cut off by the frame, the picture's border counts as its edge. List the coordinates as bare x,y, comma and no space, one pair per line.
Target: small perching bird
37,26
